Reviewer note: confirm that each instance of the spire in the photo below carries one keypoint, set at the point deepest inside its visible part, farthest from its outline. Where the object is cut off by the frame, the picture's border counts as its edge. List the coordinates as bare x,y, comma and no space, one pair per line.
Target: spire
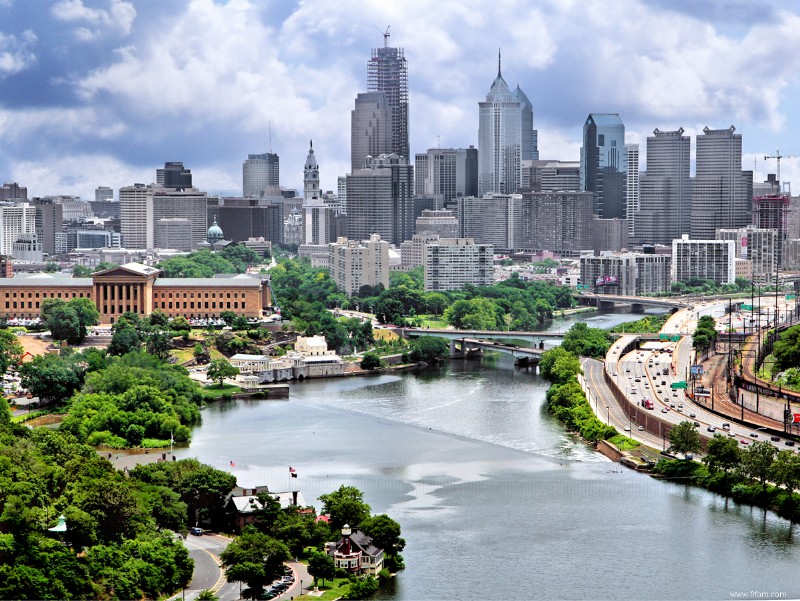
498,63
311,143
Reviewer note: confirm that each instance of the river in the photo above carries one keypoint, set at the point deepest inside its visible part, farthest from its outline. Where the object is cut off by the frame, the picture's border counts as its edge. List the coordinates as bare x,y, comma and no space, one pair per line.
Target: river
495,499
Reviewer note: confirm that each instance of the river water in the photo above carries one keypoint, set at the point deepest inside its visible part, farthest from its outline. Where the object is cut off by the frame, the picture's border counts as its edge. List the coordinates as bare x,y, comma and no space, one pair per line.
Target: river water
495,499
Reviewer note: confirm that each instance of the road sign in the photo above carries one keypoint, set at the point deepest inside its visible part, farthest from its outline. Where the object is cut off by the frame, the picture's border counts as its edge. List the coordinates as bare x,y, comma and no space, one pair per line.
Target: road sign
790,297
680,385
747,307
663,336
675,337
696,370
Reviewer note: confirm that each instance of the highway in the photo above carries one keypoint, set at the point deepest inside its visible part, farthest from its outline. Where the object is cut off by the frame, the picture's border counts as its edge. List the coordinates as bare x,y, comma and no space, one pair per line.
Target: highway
640,375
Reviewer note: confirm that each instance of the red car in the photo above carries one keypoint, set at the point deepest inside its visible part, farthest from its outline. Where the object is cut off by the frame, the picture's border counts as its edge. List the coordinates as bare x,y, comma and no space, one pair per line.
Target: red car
745,442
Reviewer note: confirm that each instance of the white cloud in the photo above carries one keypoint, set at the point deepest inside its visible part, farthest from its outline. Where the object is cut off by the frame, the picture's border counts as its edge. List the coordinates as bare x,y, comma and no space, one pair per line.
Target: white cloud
16,53
119,17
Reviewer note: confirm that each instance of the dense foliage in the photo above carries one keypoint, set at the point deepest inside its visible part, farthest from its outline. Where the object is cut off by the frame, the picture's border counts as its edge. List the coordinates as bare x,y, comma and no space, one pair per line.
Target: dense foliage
430,349
652,324
135,396
113,546
705,334
786,349
758,475
683,438
69,320
584,341
204,263
10,350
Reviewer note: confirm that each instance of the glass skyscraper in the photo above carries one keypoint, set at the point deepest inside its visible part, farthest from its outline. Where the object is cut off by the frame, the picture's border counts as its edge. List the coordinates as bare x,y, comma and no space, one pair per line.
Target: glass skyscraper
604,164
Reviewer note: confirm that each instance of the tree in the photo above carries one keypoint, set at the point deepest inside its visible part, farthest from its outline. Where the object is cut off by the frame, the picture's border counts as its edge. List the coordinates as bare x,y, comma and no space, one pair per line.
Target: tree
786,470
787,349
370,361
81,271
385,533
255,559
757,461
684,438
227,317
430,349
51,377
345,506
180,324
361,588
559,365
87,313
158,318
321,567
582,340
722,453
10,350
220,370
124,340
64,324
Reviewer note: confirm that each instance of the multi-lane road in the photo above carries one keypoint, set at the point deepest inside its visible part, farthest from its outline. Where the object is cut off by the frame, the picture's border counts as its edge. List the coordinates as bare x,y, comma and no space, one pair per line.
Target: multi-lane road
646,374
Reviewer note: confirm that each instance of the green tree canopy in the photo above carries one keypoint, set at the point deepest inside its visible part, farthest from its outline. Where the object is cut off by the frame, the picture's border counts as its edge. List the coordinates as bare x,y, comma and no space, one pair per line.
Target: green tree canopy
722,453
10,350
683,438
220,370
370,361
757,461
558,365
430,349
321,567
582,340
787,349
345,506
255,559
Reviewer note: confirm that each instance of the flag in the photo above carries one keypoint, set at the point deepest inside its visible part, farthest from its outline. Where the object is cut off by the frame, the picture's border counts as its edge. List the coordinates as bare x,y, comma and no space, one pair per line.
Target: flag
232,463
293,472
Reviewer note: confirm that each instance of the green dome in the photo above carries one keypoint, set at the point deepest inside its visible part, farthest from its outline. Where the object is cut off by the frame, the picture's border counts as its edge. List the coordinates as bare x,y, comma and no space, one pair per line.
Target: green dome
214,232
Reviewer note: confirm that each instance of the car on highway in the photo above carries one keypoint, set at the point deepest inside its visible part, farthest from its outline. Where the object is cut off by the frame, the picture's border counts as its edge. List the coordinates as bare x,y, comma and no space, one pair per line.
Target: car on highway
744,442
775,438
665,410
692,415
627,428
696,424
726,426
731,435
789,443
196,531
640,428
711,429
753,435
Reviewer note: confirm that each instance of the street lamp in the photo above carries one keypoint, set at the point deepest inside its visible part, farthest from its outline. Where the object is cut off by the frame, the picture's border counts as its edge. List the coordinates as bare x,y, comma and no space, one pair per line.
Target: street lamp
608,416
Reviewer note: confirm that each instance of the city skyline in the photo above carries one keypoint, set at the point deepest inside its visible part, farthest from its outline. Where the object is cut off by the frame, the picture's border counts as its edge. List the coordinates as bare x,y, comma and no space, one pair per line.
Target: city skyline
101,92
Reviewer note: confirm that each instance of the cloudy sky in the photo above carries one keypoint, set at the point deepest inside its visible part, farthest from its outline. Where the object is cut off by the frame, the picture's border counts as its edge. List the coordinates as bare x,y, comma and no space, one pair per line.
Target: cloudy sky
101,92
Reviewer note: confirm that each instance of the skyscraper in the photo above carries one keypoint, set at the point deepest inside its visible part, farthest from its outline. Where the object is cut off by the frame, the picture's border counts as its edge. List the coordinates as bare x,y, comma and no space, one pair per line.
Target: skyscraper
380,200
665,190
317,214
370,128
174,175
631,185
261,175
500,138
604,164
449,172
387,72
720,194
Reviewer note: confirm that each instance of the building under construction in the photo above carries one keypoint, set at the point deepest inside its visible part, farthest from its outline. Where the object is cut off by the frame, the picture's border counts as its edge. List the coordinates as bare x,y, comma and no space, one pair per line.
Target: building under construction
387,72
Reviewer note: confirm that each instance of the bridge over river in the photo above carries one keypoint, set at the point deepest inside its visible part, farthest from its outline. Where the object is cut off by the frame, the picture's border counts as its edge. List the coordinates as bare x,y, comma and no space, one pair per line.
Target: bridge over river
535,338
466,347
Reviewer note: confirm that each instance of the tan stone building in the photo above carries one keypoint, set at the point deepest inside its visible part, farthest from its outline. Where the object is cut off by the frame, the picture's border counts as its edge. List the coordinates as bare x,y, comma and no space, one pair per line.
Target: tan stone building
139,289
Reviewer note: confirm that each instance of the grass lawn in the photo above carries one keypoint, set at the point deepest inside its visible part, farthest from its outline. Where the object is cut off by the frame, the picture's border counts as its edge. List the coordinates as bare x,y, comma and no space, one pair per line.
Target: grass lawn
214,391
436,322
182,354
332,590
623,443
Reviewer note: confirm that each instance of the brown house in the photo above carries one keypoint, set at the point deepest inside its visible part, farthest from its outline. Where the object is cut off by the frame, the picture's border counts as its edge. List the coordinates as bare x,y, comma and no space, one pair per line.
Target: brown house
140,289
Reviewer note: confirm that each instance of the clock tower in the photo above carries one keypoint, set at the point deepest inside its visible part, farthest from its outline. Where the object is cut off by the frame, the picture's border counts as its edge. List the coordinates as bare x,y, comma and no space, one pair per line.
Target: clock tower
311,177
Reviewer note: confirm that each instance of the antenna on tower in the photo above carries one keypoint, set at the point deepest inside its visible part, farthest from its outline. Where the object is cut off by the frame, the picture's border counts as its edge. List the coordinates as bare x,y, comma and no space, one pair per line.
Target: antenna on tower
269,125
438,141
386,35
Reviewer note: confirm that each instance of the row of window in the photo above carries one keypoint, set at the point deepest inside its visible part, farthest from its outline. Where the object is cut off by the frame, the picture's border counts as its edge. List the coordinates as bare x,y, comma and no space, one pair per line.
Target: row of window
222,305
163,295
48,295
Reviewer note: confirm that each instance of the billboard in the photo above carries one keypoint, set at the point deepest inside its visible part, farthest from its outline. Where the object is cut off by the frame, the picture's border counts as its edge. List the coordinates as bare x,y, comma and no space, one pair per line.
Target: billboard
696,370
606,280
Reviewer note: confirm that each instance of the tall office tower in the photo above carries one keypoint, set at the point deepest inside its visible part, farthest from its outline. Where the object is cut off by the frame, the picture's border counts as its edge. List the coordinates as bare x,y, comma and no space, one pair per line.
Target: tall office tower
604,164
557,221
353,264
245,218
380,200
16,220
499,139
448,172
631,185
341,192
13,191
443,223
467,171
174,175
49,222
529,149
370,128
387,72
665,190
720,195
495,219
171,203
102,193
261,175
134,213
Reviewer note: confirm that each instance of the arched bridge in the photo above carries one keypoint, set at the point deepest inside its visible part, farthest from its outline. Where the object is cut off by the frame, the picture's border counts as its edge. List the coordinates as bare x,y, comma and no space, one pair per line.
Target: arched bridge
534,338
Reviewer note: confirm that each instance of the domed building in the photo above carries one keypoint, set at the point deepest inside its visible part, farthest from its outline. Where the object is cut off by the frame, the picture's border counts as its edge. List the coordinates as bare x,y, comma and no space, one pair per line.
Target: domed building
215,239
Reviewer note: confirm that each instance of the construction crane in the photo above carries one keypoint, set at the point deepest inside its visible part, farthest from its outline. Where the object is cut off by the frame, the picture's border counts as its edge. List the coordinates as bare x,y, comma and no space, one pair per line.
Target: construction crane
778,156
386,35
